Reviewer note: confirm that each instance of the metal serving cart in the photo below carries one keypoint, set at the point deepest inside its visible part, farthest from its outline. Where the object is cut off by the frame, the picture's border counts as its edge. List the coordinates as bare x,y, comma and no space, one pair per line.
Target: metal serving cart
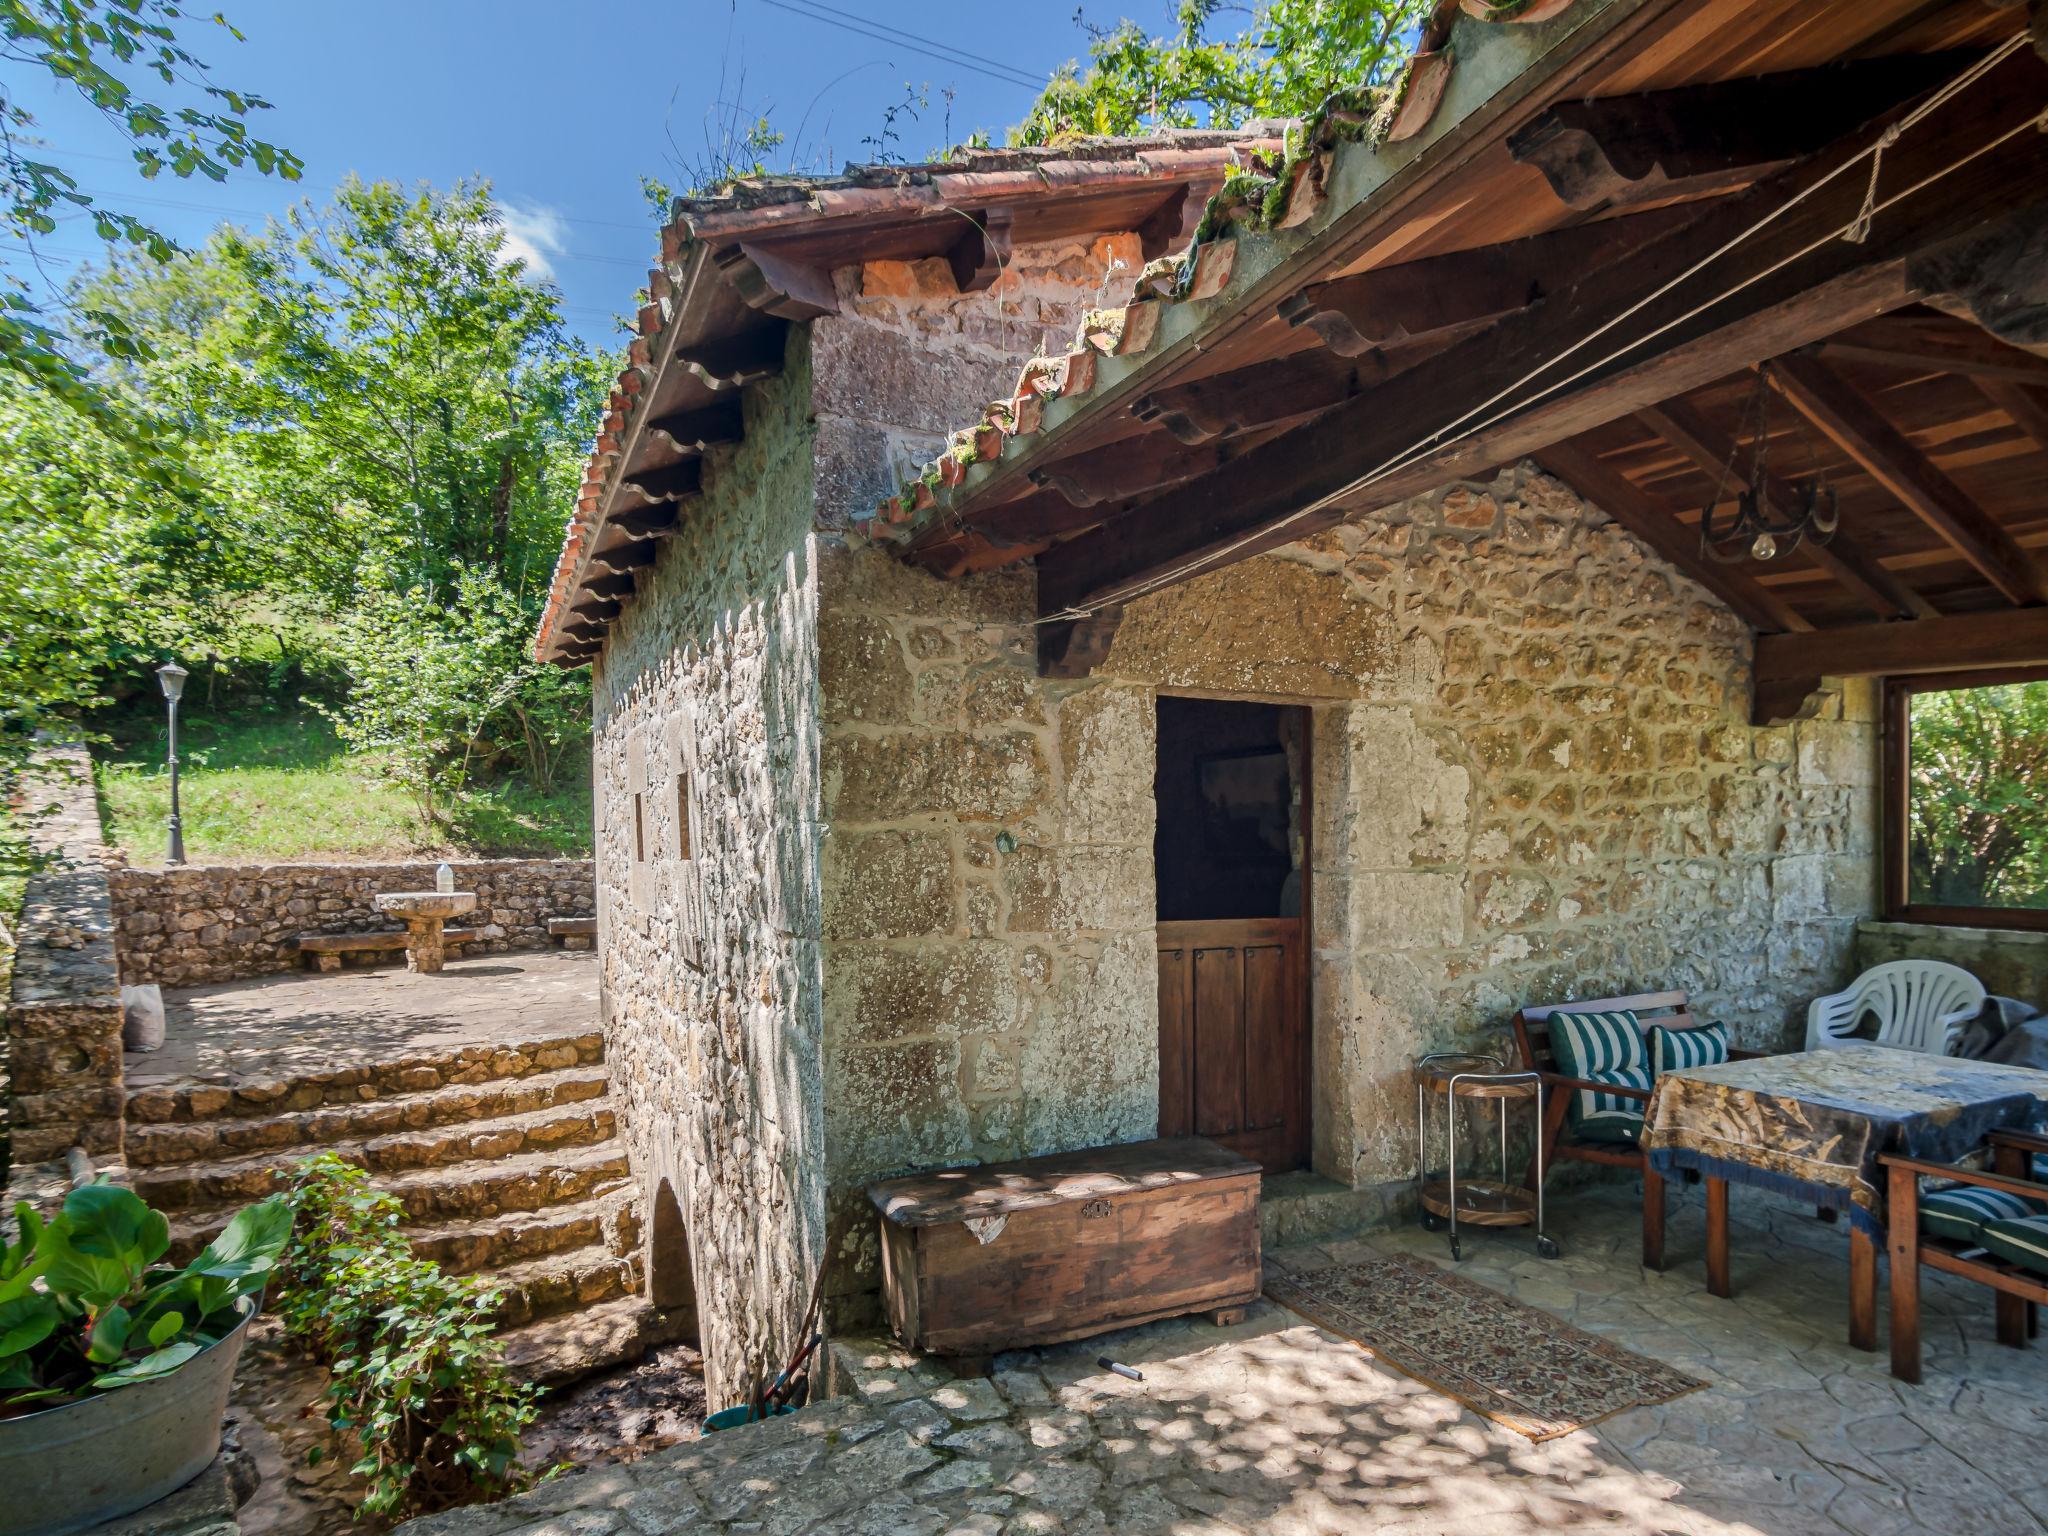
1447,1077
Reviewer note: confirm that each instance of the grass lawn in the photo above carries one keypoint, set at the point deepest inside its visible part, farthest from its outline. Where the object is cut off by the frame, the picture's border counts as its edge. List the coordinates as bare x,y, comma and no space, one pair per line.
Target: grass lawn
276,785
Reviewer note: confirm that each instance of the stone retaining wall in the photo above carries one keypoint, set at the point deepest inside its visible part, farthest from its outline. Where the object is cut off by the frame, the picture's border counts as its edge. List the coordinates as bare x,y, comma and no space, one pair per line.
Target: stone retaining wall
64,1005
205,923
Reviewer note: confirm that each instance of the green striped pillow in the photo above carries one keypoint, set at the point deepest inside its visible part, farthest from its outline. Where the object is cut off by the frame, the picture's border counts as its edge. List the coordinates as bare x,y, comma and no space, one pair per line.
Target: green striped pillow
2023,1240
1961,1211
1673,1050
1602,1048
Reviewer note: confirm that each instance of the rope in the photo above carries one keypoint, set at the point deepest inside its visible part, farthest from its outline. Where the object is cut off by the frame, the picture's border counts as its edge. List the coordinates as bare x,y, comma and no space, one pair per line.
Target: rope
1871,208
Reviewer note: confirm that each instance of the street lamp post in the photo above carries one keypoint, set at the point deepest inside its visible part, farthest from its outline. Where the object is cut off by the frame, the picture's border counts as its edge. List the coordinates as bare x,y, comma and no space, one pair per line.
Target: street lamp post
173,676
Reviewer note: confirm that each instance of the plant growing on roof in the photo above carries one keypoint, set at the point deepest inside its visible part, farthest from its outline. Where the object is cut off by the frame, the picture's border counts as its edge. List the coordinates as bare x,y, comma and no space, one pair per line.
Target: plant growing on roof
86,1307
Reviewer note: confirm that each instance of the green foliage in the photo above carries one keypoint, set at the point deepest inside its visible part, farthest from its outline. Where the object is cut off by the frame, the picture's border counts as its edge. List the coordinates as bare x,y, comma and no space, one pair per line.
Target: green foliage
1291,57
1977,803
102,49
416,1377
85,1307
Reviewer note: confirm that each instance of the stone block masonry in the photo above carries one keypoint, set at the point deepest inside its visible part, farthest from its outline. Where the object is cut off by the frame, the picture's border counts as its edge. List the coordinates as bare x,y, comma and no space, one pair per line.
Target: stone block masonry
206,923
64,1004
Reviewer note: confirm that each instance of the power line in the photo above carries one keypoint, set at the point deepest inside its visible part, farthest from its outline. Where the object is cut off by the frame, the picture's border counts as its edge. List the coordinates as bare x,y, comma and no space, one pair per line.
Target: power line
974,63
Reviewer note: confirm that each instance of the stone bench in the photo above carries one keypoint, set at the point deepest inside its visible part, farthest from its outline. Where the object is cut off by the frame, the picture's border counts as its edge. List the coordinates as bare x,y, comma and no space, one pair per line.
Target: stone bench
327,949
573,932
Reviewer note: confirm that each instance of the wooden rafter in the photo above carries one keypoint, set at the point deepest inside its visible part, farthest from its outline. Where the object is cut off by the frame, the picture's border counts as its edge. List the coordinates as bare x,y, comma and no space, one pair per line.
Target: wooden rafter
670,482
1861,431
732,362
982,251
1954,643
693,431
1789,283
1936,344
776,285
1712,451
2027,406
1652,521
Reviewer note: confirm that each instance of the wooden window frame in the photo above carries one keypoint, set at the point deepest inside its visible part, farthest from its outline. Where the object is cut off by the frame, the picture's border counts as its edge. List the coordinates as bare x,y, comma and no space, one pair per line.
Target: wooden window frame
1894,830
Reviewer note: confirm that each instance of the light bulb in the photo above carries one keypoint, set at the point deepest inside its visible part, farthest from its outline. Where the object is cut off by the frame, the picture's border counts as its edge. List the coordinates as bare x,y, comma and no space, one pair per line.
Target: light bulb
1764,547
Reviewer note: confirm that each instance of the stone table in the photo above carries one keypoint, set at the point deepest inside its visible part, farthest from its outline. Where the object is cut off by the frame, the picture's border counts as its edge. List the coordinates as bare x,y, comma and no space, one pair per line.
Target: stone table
425,913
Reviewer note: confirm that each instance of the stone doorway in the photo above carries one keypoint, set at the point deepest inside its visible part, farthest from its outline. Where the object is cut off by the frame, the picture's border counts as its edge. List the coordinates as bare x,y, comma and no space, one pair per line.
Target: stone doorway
1231,861
671,1282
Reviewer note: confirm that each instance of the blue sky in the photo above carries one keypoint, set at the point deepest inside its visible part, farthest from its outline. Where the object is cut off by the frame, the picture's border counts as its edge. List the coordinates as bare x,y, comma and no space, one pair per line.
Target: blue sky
564,106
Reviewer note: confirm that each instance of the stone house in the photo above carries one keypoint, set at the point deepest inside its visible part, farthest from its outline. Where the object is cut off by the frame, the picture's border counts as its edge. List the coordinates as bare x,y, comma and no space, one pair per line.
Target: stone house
1181,747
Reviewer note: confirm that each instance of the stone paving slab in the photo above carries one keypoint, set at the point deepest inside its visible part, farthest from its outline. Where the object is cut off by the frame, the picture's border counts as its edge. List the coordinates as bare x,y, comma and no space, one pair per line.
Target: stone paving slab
1275,1426
307,1022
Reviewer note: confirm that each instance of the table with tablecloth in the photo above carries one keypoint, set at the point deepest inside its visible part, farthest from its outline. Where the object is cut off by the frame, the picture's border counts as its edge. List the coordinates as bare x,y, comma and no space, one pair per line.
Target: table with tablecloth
1812,1124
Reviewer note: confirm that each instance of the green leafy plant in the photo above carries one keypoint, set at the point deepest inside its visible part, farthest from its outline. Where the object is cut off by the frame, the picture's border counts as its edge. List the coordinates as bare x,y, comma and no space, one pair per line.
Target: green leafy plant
417,1379
85,1307
1977,801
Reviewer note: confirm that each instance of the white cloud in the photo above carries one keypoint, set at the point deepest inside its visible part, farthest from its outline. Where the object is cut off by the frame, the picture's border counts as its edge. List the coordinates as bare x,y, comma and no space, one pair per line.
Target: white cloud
532,235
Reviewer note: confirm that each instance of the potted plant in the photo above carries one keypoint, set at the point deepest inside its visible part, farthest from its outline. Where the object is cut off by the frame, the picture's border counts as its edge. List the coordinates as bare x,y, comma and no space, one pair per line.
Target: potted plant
114,1368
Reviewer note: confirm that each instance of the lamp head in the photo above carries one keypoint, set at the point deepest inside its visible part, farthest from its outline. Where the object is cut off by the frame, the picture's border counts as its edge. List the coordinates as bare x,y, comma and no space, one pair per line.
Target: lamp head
172,676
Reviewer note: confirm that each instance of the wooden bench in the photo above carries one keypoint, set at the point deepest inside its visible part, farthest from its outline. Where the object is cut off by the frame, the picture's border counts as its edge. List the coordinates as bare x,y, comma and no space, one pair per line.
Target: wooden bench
573,932
326,949
1671,1010
979,1260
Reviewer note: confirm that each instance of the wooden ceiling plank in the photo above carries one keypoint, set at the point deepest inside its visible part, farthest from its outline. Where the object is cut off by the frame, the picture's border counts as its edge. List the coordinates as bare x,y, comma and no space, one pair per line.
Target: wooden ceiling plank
1704,138
1859,430
2027,407
1788,284
1936,344
1652,521
1681,425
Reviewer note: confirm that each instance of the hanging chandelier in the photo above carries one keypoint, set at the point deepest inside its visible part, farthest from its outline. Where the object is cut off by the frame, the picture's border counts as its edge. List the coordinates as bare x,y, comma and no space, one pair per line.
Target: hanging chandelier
1762,526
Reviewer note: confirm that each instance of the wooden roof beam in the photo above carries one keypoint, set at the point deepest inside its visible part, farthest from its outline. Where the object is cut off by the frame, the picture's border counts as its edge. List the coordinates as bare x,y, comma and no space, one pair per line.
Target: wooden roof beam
982,251
1356,314
1624,337
1712,450
693,431
1790,667
1171,225
776,285
671,482
1653,521
1859,430
653,521
732,362
1226,404
625,557
2027,407
1710,138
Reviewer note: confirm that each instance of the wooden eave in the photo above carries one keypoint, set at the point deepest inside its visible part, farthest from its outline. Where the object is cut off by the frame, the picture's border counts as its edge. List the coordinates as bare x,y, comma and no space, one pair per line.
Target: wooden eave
740,270
1933,431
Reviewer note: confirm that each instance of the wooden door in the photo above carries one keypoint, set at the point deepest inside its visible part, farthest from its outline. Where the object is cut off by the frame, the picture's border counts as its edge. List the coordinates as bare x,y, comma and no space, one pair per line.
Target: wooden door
1233,1053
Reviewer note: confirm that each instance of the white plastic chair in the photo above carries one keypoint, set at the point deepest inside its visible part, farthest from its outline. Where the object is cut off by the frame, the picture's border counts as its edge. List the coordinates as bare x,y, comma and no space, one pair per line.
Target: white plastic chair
1920,1005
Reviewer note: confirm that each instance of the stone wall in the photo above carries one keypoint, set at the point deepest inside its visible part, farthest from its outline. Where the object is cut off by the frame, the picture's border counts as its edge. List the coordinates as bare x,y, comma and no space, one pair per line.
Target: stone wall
64,1003
2009,961
706,708
219,922
1533,778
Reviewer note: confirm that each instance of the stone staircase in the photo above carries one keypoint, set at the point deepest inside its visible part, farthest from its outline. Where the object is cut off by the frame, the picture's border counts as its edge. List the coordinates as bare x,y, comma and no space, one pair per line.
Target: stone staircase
505,1157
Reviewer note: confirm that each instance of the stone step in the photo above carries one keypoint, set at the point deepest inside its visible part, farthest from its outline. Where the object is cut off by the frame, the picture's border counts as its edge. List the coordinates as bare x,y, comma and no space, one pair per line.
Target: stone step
251,1178
413,1072
473,1243
1305,1207
174,1142
571,1345
562,1282
610,1221
530,1181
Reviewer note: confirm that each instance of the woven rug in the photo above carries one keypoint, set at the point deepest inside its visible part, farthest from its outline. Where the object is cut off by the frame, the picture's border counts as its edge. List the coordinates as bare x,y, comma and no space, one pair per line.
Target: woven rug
1520,1367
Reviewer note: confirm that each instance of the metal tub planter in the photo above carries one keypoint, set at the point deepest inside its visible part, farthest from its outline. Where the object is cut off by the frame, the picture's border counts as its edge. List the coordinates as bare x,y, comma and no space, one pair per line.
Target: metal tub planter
71,1467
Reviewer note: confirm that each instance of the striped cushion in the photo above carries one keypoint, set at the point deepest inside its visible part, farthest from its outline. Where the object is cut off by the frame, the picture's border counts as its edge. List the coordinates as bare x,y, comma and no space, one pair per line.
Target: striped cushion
2024,1241
1602,1048
1673,1050
1960,1212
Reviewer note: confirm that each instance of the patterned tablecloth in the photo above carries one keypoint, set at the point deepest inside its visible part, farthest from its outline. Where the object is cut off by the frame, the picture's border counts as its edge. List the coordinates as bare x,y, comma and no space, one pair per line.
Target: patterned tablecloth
1811,1124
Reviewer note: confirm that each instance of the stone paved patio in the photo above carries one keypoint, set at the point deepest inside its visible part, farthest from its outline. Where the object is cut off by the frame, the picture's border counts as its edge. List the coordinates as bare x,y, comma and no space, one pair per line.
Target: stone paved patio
1276,1426
307,1022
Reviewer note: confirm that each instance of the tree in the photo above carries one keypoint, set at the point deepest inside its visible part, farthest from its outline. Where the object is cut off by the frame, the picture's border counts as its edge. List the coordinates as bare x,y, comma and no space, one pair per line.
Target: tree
100,47
1978,797
1292,57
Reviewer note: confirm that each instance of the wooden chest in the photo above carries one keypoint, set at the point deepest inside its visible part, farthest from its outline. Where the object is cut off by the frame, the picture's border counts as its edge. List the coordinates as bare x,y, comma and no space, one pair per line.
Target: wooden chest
978,1260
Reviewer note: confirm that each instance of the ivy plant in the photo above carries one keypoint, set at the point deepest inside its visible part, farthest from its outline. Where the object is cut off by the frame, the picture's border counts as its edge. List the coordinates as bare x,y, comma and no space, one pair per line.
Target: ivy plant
416,1377
85,1306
